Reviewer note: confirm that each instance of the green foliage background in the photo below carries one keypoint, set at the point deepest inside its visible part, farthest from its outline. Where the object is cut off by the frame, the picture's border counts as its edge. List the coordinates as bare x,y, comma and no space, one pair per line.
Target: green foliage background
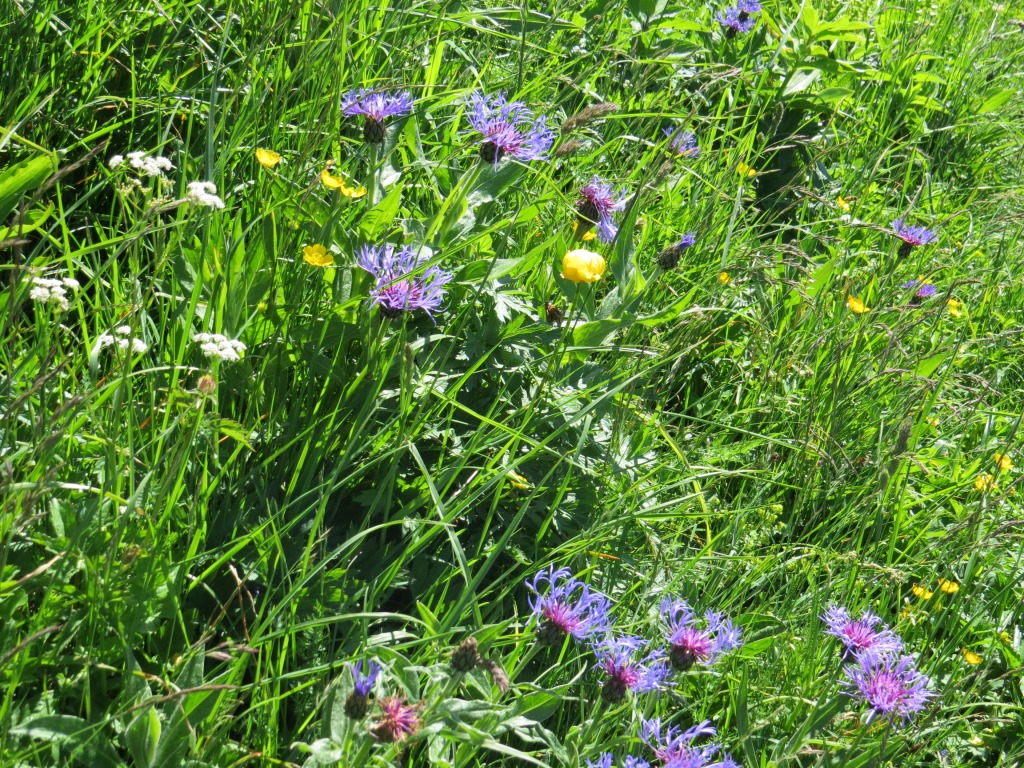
183,575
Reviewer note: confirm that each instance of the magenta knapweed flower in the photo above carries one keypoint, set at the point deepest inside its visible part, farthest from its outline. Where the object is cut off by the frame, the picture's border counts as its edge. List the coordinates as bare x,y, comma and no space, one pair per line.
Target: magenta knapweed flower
682,143
674,746
738,19
607,761
566,607
860,635
687,644
596,205
397,289
398,720
924,290
890,685
911,236
375,106
509,128
624,669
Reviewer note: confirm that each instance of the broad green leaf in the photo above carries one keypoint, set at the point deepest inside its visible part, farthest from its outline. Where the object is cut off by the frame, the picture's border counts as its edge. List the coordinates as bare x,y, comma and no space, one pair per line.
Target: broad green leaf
22,178
377,220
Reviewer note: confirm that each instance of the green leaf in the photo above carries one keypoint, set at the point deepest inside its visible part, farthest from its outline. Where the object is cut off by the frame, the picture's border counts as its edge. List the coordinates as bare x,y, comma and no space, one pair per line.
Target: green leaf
22,178
34,219
142,736
927,367
377,220
991,104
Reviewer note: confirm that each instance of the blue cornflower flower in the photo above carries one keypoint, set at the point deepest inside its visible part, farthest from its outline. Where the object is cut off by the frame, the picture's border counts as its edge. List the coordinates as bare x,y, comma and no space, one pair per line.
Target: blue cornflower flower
682,142
911,236
607,761
617,657
738,19
375,106
924,290
860,635
596,205
674,746
688,644
397,290
508,128
357,704
567,607
890,685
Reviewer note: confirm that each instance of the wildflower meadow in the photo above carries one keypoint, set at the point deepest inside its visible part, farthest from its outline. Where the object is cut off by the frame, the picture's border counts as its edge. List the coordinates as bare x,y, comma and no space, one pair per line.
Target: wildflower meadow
458,383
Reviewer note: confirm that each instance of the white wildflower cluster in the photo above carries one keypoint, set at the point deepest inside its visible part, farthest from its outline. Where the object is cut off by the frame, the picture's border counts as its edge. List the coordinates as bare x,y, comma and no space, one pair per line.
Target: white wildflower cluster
47,290
122,339
143,163
204,193
218,347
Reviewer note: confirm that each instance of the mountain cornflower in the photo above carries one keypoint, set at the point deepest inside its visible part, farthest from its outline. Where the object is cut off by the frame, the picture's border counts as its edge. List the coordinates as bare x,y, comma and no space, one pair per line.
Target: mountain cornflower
687,644
357,705
890,685
375,106
398,722
911,236
566,607
397,290
596,205
738,19
607,761
682,142
674,746
618,658
860,635
924,290
509,128
668,258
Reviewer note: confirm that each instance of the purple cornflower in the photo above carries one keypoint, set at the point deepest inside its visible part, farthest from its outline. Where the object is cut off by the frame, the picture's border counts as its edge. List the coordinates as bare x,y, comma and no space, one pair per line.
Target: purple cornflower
398,721
890,685
674,746
375,106
682,143
396,290
607,761
687,643
596,205
508,128
860,635
738,19
568,607
617,657
668,258
924,290
357,704
911,236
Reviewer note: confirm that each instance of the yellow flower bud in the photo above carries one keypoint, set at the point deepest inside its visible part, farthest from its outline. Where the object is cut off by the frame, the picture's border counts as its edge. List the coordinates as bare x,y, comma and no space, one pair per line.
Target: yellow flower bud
582,266
268,158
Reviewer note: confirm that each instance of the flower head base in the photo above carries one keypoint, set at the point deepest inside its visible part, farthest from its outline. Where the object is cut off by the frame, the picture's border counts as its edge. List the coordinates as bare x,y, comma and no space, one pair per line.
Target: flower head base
617,657
860,635
396,290
583,266
398,720
682,143
923,289
218,347
911,236
357,705
675,748
668,258
508,128
891,686
566,607
687,643
596,205
375,106
204,193
738,19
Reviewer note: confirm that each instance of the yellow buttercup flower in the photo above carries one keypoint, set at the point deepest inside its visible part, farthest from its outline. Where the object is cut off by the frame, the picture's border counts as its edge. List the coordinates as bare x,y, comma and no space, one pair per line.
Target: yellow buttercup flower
984,482
583,266
336,182
1005,637
268,158
949,587
517,480
971,657
955,307
587,236
922,592
745,171
1003,461
856,305
723,278
317,256
844,205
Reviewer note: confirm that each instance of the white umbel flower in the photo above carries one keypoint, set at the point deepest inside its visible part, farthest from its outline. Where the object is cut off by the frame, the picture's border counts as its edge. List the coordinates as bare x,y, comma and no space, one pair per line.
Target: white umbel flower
148,165
46,290
204,193
218,347
122,340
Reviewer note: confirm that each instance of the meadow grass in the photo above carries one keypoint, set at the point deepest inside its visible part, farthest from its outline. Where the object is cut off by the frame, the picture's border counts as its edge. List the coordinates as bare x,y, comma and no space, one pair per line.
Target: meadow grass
194,550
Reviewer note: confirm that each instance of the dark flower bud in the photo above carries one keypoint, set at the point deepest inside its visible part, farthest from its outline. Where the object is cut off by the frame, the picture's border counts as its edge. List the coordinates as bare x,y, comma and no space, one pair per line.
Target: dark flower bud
374,131
356,706
466,657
